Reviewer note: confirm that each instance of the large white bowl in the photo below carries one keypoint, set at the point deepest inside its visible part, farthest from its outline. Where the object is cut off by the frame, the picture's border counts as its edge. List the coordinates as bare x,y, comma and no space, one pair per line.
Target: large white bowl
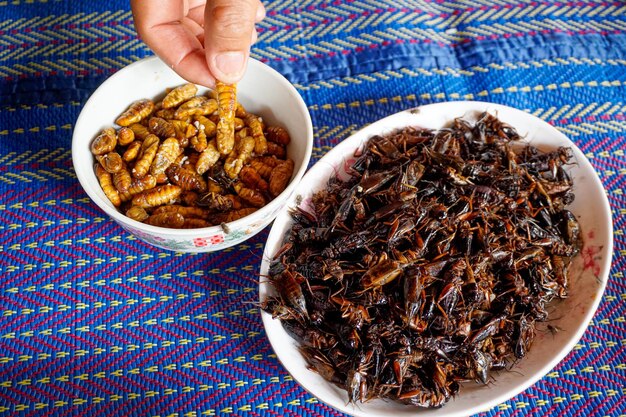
588,279
262,91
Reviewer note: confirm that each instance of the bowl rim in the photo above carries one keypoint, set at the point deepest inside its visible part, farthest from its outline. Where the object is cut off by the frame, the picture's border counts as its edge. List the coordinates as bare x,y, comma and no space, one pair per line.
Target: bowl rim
376,128
115,214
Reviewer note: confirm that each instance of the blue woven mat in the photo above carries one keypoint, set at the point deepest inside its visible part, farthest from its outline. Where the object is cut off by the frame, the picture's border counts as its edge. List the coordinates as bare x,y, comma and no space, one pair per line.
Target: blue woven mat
94,322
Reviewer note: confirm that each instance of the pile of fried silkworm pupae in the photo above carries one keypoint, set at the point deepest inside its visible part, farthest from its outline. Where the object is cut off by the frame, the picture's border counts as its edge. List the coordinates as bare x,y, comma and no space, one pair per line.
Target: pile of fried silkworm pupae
431,265
191,160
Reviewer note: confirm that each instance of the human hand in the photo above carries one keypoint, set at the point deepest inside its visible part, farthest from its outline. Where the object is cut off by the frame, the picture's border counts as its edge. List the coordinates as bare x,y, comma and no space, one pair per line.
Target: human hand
201,40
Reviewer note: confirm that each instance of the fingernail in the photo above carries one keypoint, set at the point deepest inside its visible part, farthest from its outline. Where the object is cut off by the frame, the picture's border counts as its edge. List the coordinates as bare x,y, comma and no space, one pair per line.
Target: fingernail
230,63
260,13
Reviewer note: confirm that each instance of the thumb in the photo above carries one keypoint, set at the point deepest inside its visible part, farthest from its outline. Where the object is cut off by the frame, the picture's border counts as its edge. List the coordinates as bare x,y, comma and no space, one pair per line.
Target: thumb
229,27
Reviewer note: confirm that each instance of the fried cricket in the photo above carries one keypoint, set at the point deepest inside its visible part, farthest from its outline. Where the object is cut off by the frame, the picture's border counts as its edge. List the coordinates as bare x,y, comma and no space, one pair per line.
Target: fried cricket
430,265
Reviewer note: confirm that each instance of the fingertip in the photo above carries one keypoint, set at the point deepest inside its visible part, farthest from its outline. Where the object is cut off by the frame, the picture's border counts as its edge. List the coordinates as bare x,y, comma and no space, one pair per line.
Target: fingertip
228,67
260,13
193,68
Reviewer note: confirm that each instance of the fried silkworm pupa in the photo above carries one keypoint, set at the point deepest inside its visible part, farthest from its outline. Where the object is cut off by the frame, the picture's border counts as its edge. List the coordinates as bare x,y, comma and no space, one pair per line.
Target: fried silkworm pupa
250,177
140,131
171,220
105,142
158,196
280,177
277,150
253,122
179,94
137,111
148,151
231,216
122,180
166,154
186,212
251,196
208,158
278,135
107,185
186,179
203,152
161,127
195,223
226,105
111,161
137,213
132,151
240,156
195,106
209,127
138,185
125,136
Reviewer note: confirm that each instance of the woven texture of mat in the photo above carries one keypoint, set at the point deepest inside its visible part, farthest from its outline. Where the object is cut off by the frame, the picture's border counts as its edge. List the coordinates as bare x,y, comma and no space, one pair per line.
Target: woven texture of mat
96,323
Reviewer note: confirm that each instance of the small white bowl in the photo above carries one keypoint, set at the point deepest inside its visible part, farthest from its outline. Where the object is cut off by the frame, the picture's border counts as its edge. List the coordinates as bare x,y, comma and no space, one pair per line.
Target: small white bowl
262,91
589,272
